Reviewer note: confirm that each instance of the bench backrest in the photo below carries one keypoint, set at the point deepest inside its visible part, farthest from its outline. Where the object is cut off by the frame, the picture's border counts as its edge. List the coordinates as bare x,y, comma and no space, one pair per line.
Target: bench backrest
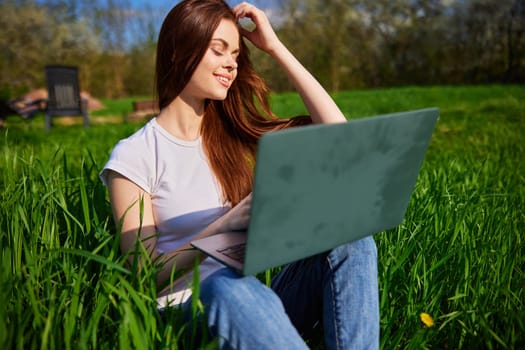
63,90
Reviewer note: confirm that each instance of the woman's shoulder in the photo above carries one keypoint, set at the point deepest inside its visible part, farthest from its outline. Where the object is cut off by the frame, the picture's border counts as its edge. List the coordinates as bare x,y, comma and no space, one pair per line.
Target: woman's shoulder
147,142
139,138
154,138
134,156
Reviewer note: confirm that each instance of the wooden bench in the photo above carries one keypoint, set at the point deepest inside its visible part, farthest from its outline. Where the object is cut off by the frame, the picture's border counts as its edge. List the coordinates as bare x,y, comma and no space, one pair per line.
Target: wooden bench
20,107
144,109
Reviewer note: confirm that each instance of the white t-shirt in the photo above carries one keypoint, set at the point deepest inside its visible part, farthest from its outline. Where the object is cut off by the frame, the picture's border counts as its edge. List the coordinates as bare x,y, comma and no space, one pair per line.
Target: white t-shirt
184,191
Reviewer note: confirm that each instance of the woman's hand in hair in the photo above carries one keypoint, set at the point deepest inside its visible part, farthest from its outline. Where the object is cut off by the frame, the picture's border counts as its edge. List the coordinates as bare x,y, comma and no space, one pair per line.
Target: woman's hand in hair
238,217
318,102
262,36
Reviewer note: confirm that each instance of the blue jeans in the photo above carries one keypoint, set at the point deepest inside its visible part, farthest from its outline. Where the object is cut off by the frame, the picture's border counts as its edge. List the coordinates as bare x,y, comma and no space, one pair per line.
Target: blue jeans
337,290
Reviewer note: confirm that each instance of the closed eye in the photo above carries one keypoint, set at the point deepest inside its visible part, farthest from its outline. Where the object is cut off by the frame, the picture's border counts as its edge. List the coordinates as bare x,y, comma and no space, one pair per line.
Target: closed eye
216,52
219,47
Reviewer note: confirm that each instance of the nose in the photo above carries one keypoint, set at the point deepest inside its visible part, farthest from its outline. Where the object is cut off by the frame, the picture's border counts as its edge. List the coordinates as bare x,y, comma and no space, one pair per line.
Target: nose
231,63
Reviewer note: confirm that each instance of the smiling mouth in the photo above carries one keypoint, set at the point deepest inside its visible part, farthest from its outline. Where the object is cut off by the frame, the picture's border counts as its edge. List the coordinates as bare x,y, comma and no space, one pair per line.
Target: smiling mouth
224,80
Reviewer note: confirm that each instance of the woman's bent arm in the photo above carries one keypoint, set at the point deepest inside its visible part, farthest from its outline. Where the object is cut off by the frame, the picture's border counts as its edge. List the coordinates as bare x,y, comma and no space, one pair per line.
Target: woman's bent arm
126,200
319,103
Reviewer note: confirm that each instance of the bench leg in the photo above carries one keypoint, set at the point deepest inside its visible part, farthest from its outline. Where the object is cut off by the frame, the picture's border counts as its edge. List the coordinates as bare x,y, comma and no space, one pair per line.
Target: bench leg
85,111
86,119
48,121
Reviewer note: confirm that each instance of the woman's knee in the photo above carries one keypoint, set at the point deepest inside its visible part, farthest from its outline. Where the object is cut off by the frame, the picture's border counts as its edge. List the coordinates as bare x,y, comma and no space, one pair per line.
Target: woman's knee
362,247
366,245
356,255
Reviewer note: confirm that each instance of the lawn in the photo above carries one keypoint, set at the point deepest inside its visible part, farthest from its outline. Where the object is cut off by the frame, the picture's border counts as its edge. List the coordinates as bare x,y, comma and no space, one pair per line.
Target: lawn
459,255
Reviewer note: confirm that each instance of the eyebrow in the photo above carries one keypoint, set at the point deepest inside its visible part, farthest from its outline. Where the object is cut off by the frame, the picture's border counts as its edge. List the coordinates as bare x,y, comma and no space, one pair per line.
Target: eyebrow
225,44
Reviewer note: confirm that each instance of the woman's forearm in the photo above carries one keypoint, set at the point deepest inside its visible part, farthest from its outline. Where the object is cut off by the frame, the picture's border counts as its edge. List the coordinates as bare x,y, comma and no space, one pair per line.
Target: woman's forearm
318,102
320,105
183,259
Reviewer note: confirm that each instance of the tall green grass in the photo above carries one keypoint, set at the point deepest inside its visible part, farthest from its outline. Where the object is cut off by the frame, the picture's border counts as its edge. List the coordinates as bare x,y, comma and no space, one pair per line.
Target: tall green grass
458,255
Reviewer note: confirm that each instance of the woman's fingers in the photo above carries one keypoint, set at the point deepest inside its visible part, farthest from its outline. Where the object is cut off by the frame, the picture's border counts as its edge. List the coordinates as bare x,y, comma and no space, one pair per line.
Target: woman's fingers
238,217
263,35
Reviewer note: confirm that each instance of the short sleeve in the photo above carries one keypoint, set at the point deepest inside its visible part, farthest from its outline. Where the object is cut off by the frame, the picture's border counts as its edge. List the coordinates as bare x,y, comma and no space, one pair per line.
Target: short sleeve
132,159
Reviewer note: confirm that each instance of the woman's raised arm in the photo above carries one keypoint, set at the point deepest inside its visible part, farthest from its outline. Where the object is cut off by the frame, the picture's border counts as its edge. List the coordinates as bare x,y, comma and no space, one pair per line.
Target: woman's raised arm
318,102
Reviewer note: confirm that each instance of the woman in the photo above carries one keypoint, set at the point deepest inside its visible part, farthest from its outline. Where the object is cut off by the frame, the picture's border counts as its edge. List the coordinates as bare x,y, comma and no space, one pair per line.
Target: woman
187,174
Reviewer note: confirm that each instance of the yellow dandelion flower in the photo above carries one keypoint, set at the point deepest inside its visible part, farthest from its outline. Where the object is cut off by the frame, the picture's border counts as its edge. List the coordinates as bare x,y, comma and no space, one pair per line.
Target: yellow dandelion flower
427,320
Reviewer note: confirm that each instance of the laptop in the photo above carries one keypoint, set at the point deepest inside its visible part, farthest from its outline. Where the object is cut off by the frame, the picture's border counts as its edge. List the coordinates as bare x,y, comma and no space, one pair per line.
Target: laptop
320,186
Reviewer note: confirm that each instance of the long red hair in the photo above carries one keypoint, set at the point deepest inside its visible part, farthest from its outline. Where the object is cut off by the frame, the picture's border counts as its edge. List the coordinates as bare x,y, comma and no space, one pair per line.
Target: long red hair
230,128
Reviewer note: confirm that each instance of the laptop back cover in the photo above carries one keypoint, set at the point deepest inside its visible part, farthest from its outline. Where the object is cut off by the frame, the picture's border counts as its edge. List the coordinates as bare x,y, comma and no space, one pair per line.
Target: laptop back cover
320,186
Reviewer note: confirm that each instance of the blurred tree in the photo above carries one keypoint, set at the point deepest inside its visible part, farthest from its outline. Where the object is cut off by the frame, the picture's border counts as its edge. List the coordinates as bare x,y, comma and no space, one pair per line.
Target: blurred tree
110,20
31,37
326,36
495,30
345,43
139,78
128,41
515,43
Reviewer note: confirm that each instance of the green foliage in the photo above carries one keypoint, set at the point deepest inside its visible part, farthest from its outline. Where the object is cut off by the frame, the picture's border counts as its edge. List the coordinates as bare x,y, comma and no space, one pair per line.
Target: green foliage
30,38
458,255
359,43
346,44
